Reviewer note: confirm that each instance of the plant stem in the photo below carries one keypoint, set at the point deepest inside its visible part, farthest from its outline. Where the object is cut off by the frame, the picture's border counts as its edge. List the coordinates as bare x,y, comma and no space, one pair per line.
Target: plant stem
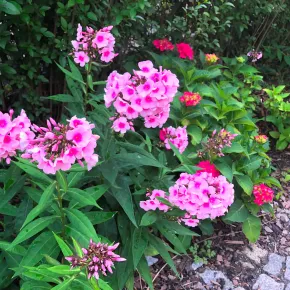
87,86
62,215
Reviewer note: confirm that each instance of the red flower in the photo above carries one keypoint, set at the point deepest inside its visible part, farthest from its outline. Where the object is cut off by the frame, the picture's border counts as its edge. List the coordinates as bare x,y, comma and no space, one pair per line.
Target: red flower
163,44
208,167
263,194
162,134
190,99
185,51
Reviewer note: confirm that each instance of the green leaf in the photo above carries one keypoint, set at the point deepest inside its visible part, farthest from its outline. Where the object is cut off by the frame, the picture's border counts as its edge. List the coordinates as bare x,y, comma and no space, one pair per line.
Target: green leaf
34,172
44,202
32,229
252,164
77,247
14,187
9,8
235,148
160,247
206,227
74,178
82,223
145,273
61,180
98,217
148,218
18,250
238,212
63,246
246,183
225,169
62,98
195,133
92,16
139,244
64,270
35,285
64,285
252,228
43,244
82,197
69,74
177,228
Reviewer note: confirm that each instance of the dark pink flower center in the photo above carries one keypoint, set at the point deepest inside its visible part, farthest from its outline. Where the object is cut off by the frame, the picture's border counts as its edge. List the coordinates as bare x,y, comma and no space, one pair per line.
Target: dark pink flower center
146,87
77,122
3,123
78,137
121,125
81,58
100,38
7,139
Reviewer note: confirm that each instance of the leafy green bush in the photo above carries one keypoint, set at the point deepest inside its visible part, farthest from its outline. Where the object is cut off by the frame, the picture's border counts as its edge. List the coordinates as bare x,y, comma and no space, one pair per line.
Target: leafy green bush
49,217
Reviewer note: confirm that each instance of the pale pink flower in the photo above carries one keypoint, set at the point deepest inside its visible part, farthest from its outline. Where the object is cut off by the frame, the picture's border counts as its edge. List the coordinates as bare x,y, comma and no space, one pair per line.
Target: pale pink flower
121,125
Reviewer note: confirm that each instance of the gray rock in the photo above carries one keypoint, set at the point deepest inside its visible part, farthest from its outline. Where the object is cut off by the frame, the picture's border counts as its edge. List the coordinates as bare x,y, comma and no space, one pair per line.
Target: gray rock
151,260
210,276
275,264
255,253
195,266
283,217
268,229
265,282
288,287
287,272
240,288
247,265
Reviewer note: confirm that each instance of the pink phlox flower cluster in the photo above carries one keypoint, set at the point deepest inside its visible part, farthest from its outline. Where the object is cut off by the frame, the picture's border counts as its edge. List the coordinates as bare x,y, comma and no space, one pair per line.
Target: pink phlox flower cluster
147,93
153,203
59,146
177,136
91,43
15,134
255,55
200,195
97,258
218,141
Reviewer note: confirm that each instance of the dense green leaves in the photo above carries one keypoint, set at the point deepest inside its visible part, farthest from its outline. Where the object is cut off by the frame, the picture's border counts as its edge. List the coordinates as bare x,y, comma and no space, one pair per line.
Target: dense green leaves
238,212
252,228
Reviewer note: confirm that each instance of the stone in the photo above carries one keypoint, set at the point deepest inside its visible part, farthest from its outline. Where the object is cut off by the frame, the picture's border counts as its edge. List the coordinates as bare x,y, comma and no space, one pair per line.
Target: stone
210,276
195,266
283,217
151,260
240,288
275,264
265,282
287,287
256,254
247,265
268,229
287,272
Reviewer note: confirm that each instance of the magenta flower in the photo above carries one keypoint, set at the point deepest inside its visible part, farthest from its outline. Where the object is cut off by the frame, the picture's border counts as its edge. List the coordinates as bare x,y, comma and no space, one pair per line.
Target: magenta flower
91,44
97,258
199,195
255,55
177,136
15,134
147,94
59,146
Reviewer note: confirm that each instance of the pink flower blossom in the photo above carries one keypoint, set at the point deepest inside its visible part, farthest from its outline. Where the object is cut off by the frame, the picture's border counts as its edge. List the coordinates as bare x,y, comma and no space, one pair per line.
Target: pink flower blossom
185,51
163,44
208,167
199,195
59,146
121,125
82,58
263,194
15,134
92,44
147,93
97,258
177,136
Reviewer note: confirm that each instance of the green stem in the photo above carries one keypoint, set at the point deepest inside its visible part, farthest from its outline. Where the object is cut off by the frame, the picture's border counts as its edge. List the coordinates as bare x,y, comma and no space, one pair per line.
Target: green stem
62,215
87,86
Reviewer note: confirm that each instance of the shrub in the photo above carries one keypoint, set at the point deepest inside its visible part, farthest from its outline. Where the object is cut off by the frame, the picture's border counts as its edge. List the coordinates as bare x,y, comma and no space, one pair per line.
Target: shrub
78,214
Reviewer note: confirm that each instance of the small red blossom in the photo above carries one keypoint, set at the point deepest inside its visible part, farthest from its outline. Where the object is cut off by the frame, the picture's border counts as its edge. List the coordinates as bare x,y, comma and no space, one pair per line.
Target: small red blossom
208,167
190,99
263,194
261,139
163,44
185,51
